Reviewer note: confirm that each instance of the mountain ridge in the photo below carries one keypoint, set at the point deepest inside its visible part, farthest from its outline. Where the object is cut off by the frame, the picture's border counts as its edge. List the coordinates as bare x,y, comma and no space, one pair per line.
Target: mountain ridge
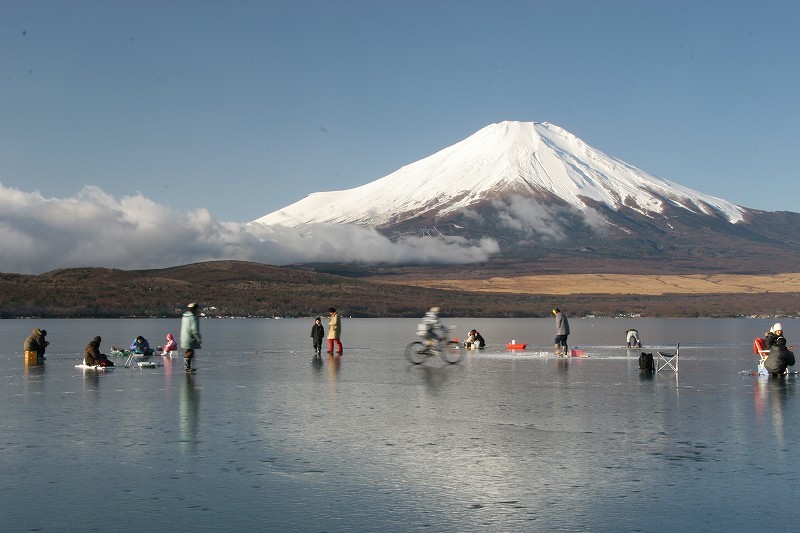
508,157
540,192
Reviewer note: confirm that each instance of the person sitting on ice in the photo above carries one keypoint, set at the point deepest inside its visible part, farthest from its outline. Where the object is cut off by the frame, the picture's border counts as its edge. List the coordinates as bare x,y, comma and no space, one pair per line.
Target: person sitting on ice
633,339
171,345
780,357
92,355
141,346
474,340
430,328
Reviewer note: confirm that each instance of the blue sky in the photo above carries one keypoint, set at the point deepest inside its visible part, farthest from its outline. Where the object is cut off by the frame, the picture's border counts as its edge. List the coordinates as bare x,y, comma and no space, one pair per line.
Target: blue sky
243,107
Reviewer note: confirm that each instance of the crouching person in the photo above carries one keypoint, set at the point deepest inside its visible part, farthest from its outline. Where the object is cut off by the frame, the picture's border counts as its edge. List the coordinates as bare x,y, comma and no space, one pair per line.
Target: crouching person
92,355
780,356
35,346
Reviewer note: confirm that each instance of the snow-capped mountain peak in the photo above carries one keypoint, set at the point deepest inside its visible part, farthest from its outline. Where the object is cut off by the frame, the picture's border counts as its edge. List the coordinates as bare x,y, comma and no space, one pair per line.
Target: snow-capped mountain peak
519,158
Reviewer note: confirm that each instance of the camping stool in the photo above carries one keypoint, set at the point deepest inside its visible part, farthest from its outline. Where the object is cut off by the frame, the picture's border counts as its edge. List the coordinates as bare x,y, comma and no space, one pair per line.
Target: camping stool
669,360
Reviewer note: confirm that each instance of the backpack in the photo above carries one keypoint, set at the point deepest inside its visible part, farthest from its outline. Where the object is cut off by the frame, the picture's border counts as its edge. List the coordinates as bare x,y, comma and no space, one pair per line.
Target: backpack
646,363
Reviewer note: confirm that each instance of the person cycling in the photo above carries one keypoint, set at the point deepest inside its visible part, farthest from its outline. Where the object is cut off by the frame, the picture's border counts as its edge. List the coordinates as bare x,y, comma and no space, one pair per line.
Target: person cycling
431,329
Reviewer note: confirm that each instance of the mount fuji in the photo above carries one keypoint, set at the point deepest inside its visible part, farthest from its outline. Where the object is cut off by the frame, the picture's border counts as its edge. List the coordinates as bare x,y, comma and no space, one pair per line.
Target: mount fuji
539,191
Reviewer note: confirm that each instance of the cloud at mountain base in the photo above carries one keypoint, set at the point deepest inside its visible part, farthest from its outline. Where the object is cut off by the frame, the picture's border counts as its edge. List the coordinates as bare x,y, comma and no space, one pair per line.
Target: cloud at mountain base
95,229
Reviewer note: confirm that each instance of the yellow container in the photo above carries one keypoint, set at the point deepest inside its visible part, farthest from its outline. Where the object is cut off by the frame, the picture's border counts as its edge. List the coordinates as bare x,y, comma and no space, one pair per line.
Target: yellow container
32,357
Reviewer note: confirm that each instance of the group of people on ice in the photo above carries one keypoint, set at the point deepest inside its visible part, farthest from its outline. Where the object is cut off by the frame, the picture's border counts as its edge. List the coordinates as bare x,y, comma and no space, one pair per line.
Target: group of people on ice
334,333
776,362
190,340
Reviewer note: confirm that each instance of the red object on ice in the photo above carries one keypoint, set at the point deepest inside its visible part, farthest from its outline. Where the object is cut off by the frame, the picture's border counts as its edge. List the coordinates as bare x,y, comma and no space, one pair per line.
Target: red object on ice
758,346
518,346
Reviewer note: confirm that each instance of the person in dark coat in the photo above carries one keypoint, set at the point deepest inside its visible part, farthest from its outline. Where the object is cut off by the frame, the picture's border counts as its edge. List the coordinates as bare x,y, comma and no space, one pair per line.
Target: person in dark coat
780,357
562,332
36,343
92,355
474,340
317,334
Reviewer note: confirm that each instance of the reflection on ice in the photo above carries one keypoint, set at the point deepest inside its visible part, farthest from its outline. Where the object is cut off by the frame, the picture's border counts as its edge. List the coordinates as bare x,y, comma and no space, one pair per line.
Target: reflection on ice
189,412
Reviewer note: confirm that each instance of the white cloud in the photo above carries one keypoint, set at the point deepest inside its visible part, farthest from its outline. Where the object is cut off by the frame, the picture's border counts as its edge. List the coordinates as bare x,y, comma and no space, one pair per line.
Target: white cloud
546,221
530,218
595,220
93,228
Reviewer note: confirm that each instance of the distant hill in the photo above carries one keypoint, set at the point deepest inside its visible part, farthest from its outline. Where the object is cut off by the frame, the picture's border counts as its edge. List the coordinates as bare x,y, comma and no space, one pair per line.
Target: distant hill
235,288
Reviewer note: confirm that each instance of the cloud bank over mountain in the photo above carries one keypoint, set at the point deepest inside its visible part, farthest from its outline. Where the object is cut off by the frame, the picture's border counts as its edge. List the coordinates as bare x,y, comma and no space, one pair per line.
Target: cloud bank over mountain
516,190
93,228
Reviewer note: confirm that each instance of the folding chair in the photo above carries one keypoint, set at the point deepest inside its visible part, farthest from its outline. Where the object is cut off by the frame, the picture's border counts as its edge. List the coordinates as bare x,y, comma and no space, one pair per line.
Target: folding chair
761,352
669,360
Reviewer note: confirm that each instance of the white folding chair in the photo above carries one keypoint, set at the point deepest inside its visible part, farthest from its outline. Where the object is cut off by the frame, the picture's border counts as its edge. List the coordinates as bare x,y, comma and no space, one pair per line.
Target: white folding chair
669,360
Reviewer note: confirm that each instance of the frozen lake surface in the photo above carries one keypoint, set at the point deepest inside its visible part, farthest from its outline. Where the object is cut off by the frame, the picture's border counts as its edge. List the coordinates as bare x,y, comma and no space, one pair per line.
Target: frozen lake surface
262,438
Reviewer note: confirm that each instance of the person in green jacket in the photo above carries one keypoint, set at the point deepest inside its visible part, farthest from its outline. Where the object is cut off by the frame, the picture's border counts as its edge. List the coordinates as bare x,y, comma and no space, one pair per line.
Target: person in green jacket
191,339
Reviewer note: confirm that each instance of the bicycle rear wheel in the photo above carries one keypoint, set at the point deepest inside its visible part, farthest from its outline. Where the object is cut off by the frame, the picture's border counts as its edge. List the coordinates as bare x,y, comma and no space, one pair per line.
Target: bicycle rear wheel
416,352
451,352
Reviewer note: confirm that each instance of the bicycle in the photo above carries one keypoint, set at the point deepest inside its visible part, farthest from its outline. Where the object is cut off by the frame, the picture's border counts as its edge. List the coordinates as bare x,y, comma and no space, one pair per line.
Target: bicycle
418,352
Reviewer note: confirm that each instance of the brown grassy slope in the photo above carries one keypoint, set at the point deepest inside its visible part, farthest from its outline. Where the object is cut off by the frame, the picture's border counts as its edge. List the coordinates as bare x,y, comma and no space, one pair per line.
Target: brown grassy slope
620,284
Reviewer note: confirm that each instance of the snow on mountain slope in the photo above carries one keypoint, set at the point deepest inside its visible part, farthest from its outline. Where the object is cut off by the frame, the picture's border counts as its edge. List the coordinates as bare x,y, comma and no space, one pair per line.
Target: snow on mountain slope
522,158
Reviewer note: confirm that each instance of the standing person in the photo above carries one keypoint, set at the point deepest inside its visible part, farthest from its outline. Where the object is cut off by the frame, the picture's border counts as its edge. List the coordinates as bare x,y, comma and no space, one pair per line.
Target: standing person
35,345
562,332
190,335
334,331
780,357
317,334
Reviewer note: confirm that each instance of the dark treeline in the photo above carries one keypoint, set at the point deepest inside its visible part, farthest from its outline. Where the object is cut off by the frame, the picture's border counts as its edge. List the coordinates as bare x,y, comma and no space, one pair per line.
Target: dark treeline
233,288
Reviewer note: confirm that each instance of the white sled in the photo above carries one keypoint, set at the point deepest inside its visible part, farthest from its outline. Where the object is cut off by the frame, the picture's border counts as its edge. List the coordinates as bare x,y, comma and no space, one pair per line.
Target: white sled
95,368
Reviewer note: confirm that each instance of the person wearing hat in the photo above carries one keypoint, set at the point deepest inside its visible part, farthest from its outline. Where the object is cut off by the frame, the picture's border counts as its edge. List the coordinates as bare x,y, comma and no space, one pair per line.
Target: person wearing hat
780,356
35,345
334,331
92,355
190,335
171,345
562,332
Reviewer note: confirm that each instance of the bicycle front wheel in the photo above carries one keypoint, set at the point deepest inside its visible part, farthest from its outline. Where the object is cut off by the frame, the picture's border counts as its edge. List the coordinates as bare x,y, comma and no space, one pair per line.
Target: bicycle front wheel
451,352
416,352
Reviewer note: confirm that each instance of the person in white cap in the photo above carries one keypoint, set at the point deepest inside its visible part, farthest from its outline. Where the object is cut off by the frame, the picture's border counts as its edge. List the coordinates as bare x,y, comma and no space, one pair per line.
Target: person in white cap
190,335
780,357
